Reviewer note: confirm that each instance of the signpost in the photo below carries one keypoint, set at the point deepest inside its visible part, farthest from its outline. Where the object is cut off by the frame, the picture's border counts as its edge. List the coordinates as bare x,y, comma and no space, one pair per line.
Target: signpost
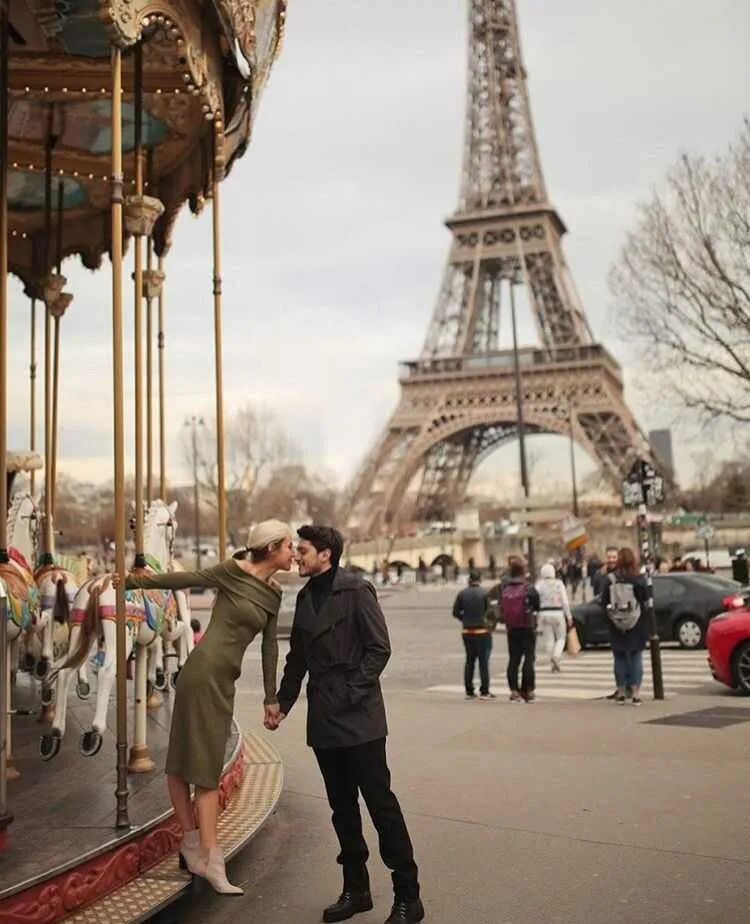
644,488
706,532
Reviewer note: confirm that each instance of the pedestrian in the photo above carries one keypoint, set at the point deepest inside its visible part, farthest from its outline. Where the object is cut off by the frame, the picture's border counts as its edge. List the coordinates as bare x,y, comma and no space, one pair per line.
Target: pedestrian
519,604
625,597
492,566
422,570
197,630
339,637
247,602
555,617
610,564
471,608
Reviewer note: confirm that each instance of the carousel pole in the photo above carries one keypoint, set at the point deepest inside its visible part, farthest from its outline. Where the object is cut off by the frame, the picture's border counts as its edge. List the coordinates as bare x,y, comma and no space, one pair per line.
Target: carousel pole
140,759
140,561
47,555
162,407
216,214
5,817
149,377
32,393
121,792
57,313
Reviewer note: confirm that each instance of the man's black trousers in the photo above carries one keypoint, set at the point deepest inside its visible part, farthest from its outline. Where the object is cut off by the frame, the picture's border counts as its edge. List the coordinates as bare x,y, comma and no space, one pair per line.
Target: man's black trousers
347,772
478,648
521,647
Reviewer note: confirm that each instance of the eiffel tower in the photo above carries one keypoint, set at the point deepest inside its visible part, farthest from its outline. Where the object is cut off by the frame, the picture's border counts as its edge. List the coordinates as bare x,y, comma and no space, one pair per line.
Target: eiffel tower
458,400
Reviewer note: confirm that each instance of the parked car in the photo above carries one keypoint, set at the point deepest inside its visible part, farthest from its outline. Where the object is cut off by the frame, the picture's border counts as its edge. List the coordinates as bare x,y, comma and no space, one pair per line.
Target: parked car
685,603
728,643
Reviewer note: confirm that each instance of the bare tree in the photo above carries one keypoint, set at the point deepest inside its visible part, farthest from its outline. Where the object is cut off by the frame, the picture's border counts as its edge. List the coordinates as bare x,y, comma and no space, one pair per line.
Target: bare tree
255,444
682,284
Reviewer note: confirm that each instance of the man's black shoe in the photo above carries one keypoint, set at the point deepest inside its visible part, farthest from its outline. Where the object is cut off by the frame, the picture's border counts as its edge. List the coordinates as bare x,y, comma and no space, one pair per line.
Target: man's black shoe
406,912
349,904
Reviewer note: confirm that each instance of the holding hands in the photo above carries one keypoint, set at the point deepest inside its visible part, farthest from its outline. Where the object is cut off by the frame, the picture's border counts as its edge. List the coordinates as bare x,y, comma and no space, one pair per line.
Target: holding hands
273,717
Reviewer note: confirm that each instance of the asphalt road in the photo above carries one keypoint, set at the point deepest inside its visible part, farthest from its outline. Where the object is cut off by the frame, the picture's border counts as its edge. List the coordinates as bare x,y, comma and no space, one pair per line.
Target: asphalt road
570,810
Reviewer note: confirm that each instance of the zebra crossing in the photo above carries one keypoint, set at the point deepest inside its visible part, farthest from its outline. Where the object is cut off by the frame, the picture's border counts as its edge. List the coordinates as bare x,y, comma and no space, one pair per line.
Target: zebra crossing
590,675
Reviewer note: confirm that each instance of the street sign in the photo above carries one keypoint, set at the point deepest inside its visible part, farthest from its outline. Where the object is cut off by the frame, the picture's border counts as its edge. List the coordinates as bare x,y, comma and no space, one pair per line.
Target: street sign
643,485
705,531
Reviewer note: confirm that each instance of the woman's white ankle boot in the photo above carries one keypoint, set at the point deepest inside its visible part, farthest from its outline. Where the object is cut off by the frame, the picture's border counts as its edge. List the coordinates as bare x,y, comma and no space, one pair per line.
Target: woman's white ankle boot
215,872
191,852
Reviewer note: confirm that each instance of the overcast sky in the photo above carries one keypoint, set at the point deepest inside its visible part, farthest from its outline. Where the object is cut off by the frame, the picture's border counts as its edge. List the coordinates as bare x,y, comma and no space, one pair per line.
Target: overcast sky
333,242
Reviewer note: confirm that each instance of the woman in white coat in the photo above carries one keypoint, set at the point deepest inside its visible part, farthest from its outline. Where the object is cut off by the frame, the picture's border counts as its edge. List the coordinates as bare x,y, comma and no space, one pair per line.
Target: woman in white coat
555,617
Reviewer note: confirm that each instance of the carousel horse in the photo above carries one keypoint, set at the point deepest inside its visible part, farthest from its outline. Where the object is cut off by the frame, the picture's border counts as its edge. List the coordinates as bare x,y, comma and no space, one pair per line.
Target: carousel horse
57,591
176,640
16,574
148,617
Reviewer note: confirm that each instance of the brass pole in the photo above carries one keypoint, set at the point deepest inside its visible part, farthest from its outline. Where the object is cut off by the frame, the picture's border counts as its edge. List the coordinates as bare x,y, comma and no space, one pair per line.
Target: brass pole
48,489
121,792
139,759
32,393
140,561
216,214
162,407
56,354
149,382
6,769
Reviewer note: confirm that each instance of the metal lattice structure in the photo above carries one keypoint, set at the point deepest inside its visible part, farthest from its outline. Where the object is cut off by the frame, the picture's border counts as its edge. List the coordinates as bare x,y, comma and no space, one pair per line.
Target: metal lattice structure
458,399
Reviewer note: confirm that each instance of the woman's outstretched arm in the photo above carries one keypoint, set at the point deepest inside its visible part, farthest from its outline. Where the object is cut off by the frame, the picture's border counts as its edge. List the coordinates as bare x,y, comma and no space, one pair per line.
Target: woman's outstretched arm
270,658
176,580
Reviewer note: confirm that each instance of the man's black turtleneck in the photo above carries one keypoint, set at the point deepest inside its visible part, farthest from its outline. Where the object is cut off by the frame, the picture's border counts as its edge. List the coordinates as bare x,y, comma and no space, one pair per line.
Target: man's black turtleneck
320,588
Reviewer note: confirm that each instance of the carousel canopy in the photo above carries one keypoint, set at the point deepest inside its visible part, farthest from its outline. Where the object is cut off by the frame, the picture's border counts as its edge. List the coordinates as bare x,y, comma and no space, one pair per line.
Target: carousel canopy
204,67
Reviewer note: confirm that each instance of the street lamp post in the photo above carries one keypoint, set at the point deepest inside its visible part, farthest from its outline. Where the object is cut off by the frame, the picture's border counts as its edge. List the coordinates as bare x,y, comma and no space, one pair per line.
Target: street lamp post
519,413
194,423
572,456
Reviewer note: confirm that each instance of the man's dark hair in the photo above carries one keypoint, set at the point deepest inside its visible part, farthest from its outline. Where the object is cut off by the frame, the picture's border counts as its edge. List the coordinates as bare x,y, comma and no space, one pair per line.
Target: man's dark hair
322,538
475,577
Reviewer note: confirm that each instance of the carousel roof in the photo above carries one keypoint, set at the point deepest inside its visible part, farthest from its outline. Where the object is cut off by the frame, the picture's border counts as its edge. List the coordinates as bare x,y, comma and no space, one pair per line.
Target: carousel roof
204,68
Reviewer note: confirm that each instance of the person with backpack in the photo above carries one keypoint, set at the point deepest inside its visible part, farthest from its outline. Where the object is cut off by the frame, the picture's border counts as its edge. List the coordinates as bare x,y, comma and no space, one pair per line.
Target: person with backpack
471,608
519,606
625,598
555,617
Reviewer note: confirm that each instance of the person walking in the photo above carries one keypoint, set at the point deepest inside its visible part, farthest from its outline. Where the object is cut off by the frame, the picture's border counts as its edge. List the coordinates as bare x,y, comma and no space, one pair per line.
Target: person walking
247,602
339,638
519,605
471,608
555,617
602,578
625,597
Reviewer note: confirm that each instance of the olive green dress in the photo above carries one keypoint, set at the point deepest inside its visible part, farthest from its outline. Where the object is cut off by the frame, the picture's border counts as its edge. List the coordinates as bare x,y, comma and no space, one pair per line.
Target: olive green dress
204,697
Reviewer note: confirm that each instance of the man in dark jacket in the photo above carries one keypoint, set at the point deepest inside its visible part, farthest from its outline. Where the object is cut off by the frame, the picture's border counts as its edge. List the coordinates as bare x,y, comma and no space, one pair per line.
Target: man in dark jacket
471,608
339,637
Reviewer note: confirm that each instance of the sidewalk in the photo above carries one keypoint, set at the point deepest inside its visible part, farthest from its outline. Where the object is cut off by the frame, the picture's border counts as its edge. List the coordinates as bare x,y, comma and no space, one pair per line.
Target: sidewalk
565,812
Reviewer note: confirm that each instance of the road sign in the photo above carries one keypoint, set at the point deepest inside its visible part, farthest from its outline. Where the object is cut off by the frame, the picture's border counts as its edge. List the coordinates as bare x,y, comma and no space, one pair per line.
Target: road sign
705,531
644,485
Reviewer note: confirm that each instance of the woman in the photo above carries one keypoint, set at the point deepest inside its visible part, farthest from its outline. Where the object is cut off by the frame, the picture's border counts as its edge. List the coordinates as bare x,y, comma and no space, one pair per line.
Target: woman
625,596
519,606
247,602
555,617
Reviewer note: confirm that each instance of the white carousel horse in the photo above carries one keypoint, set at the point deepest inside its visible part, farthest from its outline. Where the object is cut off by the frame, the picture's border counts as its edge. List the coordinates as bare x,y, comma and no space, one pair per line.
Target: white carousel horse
16,574
57,591
176,639
148,616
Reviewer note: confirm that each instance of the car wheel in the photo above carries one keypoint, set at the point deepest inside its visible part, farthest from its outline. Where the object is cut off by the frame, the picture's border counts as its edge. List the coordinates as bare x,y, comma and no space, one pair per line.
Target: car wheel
581,634
689,633
741,667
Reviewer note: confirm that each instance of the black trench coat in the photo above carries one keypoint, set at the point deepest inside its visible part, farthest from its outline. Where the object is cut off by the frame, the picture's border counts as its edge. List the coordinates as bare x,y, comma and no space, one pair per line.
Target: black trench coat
344,648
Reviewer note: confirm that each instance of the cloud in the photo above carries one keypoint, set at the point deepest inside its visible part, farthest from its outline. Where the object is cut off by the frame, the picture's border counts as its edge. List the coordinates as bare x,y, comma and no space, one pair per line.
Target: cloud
333,244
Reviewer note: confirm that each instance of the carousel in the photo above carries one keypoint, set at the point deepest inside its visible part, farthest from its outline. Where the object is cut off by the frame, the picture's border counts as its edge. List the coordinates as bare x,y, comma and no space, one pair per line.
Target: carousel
114,114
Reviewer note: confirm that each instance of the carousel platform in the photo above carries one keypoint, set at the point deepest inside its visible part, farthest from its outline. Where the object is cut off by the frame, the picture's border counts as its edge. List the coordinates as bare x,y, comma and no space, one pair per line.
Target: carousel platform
66,861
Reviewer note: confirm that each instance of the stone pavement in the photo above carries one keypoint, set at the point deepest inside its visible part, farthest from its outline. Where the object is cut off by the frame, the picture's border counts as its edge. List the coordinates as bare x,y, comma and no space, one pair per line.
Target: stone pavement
570,810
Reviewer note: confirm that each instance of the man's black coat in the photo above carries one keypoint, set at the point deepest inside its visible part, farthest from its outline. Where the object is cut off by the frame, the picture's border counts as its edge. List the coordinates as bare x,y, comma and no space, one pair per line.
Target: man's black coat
344,648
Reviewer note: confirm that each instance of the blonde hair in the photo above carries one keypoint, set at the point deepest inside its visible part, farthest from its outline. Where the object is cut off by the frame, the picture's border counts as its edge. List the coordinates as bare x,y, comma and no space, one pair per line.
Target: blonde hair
263,537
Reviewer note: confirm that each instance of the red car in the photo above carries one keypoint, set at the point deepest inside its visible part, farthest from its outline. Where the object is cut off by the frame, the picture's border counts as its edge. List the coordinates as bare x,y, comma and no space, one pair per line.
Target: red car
728,643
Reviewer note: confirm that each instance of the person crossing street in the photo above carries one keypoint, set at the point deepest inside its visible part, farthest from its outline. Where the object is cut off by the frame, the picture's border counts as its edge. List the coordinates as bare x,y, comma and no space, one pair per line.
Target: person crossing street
471,608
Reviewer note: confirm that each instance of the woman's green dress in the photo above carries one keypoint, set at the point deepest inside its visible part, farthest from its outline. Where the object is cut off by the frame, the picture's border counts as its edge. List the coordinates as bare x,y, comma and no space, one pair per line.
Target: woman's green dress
204,697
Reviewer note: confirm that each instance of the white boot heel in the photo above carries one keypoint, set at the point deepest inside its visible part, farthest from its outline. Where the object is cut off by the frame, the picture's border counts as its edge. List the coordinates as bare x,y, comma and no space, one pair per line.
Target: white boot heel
215,872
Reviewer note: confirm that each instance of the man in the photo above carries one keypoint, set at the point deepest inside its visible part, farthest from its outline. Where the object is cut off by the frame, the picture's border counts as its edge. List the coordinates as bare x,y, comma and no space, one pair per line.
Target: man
339,637
601,579
519,606
471,609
